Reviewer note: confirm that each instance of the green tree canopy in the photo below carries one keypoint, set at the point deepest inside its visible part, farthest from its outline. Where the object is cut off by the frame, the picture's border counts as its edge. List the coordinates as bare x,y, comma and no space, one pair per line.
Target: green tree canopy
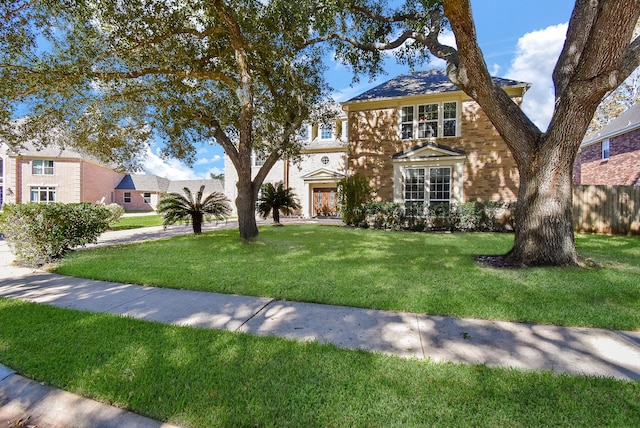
111,75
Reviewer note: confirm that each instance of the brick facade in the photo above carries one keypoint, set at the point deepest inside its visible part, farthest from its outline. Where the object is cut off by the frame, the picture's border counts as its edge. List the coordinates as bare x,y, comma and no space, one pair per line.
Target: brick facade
622,168
490,172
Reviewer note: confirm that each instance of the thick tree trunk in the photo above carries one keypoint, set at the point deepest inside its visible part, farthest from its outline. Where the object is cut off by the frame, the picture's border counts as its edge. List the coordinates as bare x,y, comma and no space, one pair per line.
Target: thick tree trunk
544,215
246,206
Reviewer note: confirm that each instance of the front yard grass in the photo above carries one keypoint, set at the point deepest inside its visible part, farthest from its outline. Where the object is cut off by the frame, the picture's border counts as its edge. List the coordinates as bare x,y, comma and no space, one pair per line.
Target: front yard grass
205,378
135,222
432,273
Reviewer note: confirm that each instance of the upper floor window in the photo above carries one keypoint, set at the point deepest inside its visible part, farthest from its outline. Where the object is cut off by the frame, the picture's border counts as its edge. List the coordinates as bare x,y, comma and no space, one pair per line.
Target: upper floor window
326,131
257,159
42,167
304,133
605,149
433,120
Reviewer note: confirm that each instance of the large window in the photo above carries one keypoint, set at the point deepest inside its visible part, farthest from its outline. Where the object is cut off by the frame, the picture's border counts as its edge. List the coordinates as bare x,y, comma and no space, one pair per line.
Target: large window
42,167
427,186
43,194
432,121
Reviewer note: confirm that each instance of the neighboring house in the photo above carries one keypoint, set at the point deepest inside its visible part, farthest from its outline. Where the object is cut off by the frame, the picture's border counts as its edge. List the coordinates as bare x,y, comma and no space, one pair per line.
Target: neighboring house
138,192
314,176
612,154
422,141
52,174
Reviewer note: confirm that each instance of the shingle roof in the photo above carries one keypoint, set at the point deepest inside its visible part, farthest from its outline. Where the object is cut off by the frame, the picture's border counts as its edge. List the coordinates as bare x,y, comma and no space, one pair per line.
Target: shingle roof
627,121
141,182
210,186
421,83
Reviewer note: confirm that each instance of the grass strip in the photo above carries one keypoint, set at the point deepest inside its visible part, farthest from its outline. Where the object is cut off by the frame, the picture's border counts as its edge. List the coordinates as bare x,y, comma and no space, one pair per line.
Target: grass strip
202,378
431,273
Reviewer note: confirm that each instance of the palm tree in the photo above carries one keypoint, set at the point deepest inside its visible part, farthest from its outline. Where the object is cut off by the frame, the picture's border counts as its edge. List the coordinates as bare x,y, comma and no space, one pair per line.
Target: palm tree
276,199
175,207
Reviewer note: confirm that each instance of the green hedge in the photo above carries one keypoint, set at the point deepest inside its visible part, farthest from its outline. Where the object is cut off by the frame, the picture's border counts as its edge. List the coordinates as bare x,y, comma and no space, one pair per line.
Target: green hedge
41,233
468,216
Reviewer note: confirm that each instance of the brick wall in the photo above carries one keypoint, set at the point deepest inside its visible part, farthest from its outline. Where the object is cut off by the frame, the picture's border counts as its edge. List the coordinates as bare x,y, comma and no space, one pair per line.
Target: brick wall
490,171
98,182
621,169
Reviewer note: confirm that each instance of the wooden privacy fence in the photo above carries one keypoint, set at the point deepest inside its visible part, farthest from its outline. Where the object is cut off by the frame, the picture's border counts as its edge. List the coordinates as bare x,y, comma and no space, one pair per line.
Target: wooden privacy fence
607,209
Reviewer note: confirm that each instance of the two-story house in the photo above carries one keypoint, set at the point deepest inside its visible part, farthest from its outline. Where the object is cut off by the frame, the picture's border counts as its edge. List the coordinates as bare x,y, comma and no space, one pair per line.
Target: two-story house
52,174
422,141
314,175
612,154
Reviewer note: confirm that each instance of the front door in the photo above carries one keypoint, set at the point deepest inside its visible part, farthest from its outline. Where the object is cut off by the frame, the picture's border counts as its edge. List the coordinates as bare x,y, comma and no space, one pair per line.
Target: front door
325,202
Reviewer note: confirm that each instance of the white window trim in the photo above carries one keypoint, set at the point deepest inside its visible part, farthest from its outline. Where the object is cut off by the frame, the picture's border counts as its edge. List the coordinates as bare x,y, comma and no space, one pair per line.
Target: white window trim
426,191
322,126
308,137
124,197
440,122
256,160
40,187
44,168
606,149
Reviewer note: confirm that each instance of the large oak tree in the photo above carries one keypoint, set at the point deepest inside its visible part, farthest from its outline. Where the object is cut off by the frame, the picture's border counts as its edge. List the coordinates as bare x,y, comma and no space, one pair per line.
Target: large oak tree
113,74
599,53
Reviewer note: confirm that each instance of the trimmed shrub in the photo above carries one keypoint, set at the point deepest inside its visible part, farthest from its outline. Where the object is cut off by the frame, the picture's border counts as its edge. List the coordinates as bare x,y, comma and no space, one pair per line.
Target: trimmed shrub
116,212
464,217
353,193
41,233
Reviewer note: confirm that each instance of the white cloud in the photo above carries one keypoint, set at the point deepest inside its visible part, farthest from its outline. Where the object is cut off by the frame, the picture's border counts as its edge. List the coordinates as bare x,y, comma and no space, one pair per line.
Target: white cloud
536,56
171,168
206,161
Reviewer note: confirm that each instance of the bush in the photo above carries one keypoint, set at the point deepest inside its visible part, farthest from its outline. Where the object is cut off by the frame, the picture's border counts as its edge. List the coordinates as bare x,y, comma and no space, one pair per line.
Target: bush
41,233
116,212
464,217
353,193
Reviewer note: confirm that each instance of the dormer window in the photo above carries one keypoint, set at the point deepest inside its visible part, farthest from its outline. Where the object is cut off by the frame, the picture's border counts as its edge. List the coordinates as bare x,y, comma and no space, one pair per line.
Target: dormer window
257,159
327,131
433,120
304,133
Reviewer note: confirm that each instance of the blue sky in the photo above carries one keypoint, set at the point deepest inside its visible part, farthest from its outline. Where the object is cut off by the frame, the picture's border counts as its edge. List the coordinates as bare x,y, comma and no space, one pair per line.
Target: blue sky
521,40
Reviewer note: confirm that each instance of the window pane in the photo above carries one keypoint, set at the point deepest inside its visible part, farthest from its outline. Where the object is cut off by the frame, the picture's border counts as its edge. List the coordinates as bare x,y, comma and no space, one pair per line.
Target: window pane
406,127
36,167
450,116
439,185
326,131
414,189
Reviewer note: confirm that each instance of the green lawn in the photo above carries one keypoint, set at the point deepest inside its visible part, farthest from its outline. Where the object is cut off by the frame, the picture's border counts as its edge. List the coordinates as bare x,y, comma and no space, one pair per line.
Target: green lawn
207,378
134,222
431,273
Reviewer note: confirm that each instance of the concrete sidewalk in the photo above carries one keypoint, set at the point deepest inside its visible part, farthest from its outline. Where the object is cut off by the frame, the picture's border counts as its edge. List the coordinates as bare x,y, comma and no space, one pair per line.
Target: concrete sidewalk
579,351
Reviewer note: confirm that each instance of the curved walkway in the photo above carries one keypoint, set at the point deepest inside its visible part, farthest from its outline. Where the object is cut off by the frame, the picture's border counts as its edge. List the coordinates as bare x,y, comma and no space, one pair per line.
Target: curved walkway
580,351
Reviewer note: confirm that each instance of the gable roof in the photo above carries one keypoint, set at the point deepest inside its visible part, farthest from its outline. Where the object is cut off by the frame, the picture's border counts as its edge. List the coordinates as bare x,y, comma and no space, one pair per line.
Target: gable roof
153,183
627,121
428,150
141,182
421,83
